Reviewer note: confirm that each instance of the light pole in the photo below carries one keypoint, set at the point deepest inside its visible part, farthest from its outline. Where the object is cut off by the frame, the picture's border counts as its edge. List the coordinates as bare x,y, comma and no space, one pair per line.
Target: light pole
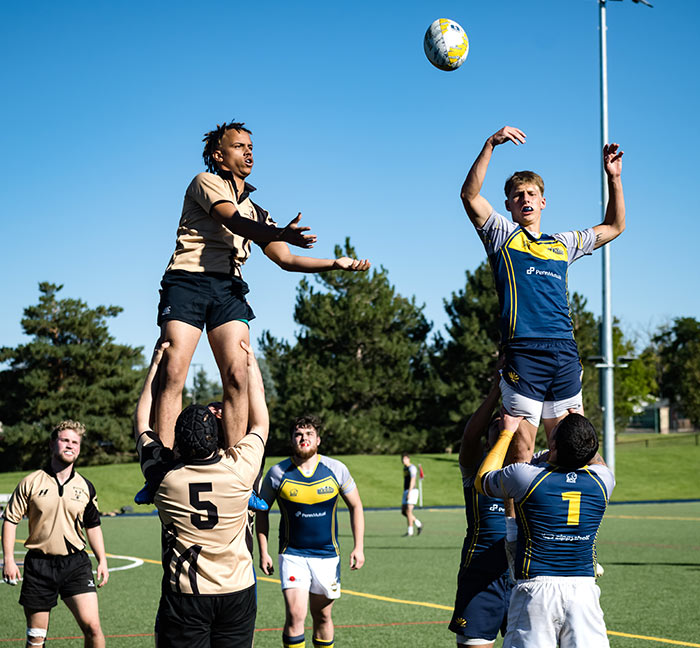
607,366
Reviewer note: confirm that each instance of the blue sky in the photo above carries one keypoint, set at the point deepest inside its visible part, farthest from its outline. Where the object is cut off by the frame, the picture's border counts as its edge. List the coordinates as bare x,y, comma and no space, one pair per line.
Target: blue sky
105,105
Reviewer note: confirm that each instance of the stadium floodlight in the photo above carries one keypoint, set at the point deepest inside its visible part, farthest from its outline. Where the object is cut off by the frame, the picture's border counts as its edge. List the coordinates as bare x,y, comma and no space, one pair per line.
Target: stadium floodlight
607,365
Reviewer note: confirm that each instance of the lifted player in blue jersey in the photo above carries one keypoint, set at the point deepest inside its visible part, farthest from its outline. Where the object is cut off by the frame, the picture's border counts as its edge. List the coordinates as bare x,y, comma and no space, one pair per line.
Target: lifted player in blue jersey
307,486
560,498
542,374
483,585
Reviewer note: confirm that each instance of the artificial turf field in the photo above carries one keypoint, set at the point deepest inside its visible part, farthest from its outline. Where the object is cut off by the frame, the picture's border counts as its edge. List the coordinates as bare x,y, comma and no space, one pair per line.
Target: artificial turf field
403,594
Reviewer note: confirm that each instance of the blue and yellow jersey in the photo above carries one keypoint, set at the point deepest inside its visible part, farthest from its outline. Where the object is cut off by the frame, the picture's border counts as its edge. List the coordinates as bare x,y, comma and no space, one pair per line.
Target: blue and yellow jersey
530,272
483,549
559,514
308,504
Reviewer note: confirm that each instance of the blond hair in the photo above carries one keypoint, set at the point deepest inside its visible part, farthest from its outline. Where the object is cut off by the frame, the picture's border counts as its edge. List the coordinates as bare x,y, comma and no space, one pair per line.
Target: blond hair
68,424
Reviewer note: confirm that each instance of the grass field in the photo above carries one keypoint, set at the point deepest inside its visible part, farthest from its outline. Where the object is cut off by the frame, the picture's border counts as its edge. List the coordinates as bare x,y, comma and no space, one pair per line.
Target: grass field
403,595
666,469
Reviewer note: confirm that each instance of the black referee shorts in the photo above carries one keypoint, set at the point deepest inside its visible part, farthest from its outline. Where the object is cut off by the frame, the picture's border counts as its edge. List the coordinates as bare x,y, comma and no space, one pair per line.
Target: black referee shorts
189,621
45,577
201,298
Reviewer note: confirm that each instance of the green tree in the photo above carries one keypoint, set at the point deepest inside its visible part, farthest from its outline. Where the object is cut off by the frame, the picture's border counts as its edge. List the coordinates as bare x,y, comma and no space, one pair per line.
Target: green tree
203,390
465,357
71,369
359,361
678,351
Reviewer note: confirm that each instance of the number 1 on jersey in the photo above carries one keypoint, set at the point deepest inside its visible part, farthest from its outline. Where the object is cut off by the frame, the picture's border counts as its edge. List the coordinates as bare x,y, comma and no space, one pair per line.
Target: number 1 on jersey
574,500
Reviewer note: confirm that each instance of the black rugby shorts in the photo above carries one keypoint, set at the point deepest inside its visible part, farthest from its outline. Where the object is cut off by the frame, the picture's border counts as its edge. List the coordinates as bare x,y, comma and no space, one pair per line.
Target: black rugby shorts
200,298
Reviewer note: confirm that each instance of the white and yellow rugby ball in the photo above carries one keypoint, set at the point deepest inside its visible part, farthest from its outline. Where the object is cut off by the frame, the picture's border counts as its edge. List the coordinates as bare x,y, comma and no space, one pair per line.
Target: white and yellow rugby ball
446,44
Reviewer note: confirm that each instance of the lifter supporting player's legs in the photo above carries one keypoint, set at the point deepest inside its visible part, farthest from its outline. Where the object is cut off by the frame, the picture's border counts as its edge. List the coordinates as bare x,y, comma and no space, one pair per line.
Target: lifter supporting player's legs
225,341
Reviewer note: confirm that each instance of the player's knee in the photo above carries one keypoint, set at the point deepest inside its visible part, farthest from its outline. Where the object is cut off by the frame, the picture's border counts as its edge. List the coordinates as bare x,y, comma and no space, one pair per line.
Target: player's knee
36,636
236,378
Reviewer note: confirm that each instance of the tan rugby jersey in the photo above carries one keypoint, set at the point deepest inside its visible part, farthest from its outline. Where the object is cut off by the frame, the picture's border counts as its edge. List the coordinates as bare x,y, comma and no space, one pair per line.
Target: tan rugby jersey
57,512
203,244
203,508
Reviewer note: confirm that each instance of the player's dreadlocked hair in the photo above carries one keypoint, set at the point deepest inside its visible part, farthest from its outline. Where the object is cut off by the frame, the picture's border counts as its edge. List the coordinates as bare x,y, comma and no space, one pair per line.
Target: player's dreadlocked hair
196,433
212,141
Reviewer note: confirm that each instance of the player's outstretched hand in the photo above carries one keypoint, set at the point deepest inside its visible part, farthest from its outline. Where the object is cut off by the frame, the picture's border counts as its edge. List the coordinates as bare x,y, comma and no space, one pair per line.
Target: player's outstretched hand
357,559
266,564
612,160
508,134
351,265
295,235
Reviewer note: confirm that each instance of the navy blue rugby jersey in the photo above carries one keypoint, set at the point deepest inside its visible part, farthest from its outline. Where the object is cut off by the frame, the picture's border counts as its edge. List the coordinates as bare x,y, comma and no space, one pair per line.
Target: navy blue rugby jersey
558,513
308,503
530,272
483,548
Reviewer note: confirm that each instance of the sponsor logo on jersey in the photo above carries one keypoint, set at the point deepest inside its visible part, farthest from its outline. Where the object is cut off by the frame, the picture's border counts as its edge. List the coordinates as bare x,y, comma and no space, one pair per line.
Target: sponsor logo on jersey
293,492
557,250
310,515
571,478
497,508
325,490
565,538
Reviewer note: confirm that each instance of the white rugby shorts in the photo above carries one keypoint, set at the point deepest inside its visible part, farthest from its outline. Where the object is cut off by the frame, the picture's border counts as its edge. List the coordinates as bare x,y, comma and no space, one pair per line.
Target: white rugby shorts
410,497
317,575
532,410
559,611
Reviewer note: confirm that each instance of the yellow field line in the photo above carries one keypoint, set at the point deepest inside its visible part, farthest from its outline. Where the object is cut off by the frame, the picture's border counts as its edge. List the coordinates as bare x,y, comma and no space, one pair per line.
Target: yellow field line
376,597
653,517
659,639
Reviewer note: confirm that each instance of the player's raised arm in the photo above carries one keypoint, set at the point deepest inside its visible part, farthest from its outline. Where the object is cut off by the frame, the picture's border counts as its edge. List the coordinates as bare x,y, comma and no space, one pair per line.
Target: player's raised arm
258,417
144,415
470,448
227,214
614,223
279,253
477,207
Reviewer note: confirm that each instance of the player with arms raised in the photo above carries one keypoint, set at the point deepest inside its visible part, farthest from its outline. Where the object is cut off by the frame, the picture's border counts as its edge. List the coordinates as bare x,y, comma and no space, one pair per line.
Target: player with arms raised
542,373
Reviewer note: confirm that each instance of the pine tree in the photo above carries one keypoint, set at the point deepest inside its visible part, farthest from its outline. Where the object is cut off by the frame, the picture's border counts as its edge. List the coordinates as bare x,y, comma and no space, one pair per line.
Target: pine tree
359,361
71,369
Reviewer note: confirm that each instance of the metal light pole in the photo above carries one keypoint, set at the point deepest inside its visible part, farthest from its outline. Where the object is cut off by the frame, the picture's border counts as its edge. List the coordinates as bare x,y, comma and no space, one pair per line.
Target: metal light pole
607,366
606,339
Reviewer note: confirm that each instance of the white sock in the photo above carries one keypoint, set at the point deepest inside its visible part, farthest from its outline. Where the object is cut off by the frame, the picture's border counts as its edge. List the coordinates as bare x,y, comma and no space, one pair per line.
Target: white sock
418,523
410,530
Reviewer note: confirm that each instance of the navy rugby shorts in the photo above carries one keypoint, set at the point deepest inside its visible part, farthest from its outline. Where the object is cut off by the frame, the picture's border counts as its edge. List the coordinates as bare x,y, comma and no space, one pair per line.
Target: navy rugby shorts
544,370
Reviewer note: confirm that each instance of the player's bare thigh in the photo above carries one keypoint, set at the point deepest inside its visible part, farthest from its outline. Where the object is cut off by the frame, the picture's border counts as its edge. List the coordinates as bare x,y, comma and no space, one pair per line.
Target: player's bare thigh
183,340
225,341
86,612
